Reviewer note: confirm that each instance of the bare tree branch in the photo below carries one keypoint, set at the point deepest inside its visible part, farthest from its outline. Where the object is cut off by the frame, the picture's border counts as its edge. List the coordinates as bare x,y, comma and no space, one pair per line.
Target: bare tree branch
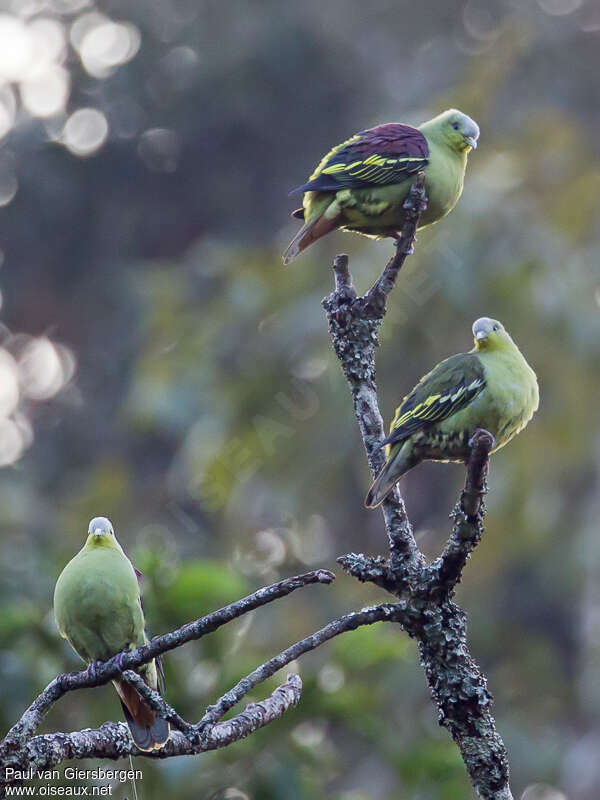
428,614
112,740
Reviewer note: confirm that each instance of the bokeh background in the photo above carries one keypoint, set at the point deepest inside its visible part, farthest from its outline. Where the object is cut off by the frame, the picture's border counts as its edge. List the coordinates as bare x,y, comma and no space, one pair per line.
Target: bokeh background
159,366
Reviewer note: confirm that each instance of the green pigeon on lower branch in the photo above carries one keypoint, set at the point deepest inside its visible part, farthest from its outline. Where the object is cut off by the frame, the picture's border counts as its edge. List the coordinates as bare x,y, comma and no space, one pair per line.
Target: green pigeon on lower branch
490,387
361,184
98,609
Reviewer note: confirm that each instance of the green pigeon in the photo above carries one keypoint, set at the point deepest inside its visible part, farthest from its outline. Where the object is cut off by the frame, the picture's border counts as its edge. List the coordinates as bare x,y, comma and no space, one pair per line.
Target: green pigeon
98,609
361,184
491,387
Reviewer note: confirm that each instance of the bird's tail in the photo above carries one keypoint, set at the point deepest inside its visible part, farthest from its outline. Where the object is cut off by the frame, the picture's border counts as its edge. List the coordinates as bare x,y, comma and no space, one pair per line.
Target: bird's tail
391,472
312,230
148,731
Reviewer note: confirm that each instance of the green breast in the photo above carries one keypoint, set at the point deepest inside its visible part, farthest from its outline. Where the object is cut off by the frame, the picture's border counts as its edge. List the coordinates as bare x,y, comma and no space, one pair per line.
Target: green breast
444,178
512,395
377,210
96,604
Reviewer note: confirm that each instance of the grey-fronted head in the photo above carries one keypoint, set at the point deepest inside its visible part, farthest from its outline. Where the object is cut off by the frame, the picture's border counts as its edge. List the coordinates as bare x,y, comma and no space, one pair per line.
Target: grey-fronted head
490,334
100,526
457,129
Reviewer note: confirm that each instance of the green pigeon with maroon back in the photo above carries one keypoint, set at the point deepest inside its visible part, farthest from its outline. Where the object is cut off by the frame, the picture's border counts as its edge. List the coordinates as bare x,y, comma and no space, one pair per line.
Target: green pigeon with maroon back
361,184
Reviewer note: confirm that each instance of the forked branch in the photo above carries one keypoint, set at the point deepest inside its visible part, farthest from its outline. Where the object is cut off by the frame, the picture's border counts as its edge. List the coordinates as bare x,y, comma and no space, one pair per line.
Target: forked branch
425,610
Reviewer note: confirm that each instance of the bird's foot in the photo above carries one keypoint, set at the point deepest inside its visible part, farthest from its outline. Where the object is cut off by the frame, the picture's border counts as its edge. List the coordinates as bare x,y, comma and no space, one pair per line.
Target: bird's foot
482,438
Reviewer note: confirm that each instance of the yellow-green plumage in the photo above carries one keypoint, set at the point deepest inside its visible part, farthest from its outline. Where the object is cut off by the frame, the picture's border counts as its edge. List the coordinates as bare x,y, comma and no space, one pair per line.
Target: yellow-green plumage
98,609
491,387
362,183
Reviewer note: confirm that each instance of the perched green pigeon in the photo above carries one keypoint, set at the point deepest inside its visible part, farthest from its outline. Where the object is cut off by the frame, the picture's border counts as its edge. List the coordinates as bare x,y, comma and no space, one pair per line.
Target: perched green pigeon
491,387
361,184
98,610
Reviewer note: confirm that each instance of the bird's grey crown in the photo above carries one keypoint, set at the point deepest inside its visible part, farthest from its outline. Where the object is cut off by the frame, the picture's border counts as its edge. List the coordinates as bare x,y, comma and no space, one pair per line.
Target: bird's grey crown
484,326
469,128
100,525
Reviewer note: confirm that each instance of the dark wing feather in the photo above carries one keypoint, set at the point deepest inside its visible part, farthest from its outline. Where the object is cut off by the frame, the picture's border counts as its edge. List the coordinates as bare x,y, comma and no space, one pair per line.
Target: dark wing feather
375,157
162,684
160,674
442,392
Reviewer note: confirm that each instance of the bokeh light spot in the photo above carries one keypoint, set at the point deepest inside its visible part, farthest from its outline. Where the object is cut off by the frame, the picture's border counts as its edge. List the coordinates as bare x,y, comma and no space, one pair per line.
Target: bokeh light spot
70,6
85,131
108,45
83,25
47,94
233,793
159,149
49,44
541,791
44,368
559,8
203,678
8,109
309,734
9,383
16,47
331,678
8,179
479,21
179,67
12,442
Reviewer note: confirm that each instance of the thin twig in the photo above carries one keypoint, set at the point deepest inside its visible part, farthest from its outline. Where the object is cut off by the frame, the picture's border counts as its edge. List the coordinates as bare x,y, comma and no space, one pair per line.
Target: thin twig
156,702
414,205
349,622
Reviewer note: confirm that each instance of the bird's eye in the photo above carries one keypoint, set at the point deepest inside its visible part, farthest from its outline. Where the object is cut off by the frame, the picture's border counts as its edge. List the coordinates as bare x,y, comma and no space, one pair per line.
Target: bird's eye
455,126
496,327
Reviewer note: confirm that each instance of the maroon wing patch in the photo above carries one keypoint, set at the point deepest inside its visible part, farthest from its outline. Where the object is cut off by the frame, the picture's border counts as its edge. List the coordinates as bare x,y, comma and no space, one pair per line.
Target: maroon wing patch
375,157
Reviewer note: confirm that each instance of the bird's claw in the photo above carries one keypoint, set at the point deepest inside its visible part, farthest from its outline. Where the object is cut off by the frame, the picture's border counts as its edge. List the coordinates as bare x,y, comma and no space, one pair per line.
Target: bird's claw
482,437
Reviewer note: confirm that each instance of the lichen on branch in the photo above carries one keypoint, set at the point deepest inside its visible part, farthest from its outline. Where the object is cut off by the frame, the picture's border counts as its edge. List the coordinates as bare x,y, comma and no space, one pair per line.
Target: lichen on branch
425,609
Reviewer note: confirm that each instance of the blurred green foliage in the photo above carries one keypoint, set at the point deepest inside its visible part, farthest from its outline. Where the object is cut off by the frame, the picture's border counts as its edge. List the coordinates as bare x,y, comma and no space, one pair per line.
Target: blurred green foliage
208,418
